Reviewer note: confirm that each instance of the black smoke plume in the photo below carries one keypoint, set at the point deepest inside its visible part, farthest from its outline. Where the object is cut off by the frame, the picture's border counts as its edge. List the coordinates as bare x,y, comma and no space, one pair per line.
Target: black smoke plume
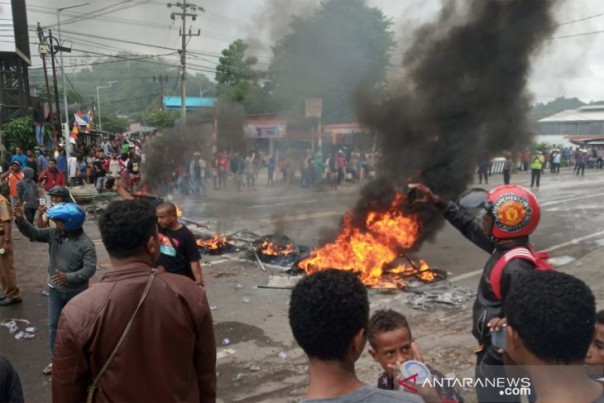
464,97
168,148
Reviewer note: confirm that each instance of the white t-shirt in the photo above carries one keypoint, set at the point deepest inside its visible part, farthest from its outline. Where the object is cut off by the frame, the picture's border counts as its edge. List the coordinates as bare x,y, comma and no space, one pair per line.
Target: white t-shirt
114,168
72,167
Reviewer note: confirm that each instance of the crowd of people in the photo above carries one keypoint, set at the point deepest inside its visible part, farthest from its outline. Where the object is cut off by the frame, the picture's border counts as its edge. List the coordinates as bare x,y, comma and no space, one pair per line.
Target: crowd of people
307,169
538,162
102,338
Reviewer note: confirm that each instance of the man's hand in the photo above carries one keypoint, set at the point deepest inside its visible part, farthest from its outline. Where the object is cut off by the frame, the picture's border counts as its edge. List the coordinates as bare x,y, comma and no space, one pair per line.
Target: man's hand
427,393
19,211
496,323
42,208
7,244
199,278
422,194
59,278
118,185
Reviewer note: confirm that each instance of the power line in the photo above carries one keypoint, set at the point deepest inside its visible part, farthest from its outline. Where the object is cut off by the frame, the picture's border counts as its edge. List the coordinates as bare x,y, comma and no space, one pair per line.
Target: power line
210,54
578,35
106,10
581,19
218,36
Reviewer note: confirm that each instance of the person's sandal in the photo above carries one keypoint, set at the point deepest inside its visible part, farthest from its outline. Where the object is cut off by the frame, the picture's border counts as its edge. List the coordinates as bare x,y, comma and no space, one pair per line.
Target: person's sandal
48,369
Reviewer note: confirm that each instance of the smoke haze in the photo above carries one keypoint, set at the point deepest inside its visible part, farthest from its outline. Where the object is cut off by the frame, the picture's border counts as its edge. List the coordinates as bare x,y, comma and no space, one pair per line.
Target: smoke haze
464,94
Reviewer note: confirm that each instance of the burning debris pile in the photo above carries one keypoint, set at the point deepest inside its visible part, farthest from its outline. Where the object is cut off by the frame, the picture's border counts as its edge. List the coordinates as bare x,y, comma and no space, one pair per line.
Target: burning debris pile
375,249
214,245
279,250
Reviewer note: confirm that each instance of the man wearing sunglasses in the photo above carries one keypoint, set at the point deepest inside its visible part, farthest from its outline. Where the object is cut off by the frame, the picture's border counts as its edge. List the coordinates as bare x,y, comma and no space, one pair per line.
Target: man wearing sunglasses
508,215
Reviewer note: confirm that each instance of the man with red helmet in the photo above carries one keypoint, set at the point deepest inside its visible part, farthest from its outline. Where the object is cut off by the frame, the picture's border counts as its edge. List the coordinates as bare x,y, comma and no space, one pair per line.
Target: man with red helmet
512,214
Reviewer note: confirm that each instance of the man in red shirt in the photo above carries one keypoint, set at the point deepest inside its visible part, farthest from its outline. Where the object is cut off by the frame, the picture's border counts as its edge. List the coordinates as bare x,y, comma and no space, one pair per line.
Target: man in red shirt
51,177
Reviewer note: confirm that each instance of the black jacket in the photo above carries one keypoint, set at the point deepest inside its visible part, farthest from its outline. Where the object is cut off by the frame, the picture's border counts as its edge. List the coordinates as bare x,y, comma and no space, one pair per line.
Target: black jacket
486,305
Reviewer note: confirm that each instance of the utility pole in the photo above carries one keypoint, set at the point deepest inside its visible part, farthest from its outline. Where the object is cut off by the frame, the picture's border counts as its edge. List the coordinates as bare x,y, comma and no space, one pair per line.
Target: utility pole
43,49
55,83
161,80
62,49
184,7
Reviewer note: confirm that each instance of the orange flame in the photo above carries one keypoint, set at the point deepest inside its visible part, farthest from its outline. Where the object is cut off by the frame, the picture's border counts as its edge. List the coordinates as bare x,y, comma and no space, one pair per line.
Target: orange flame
371,252
272,249
178,212
214,243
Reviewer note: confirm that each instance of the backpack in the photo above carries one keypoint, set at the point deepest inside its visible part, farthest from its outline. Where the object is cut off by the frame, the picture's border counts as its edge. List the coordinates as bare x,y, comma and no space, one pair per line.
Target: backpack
539,260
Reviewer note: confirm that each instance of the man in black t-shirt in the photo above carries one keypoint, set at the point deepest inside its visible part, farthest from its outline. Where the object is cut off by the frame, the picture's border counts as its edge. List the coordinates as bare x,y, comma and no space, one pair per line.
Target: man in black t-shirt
179,253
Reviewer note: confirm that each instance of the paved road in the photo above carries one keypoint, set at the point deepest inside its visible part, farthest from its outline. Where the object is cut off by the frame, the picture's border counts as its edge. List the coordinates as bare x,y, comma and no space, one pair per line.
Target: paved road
572,208
572,224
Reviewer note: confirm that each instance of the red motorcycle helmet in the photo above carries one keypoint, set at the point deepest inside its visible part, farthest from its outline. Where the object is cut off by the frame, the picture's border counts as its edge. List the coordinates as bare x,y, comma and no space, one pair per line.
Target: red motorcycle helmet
516,211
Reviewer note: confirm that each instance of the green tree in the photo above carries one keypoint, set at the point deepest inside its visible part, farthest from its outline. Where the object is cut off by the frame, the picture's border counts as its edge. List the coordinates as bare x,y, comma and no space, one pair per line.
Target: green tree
238,81
328,54
161,119
235,71
542,110
73,96
19,132
114,124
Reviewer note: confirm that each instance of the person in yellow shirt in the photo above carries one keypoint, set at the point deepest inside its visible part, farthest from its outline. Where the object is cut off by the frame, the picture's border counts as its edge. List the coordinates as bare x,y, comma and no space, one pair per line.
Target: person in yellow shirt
536,169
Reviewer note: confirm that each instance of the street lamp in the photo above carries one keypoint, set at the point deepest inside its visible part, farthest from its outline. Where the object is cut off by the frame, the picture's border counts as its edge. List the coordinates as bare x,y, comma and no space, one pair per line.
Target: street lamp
66,127
98,101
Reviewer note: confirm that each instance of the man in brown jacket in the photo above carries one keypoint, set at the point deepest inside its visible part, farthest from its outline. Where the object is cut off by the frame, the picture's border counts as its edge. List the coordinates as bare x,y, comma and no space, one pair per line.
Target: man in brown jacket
168,354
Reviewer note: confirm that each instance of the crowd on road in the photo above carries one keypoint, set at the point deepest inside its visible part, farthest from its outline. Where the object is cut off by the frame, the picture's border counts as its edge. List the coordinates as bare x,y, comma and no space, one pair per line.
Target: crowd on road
531,323
538,162
286,168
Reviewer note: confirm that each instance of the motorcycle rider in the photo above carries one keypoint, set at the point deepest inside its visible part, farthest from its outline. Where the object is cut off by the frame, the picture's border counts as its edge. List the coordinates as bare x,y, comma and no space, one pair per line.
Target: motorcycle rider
72,259
512,214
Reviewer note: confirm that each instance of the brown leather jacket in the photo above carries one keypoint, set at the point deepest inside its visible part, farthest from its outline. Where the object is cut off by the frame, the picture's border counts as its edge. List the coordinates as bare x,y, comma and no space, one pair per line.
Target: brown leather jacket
169,354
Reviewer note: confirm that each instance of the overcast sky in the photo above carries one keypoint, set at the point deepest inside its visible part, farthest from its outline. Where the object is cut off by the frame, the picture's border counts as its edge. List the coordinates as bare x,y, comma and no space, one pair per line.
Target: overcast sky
571,67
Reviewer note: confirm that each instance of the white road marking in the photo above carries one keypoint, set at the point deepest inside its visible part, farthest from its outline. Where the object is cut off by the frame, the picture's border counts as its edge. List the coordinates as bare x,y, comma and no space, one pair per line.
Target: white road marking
301,217
551,203
575,241
283,203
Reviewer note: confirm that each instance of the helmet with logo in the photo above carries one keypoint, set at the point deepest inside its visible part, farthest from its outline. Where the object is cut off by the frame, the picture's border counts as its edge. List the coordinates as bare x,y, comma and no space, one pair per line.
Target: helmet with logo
59,191
515,210
72,215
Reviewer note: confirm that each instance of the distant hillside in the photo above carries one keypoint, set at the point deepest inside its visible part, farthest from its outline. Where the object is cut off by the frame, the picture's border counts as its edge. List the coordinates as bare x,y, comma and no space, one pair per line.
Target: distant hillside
542,110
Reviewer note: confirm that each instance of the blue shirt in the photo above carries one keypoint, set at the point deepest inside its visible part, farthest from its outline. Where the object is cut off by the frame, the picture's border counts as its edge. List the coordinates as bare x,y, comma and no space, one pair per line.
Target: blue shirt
21,158
62,163
43,162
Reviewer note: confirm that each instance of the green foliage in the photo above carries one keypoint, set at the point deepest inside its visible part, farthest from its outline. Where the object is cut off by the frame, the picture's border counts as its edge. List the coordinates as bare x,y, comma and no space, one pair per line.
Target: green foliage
161,119
135,89
114,124
19,132
327,55
238,81
543,147
234,68
74,96
542,110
